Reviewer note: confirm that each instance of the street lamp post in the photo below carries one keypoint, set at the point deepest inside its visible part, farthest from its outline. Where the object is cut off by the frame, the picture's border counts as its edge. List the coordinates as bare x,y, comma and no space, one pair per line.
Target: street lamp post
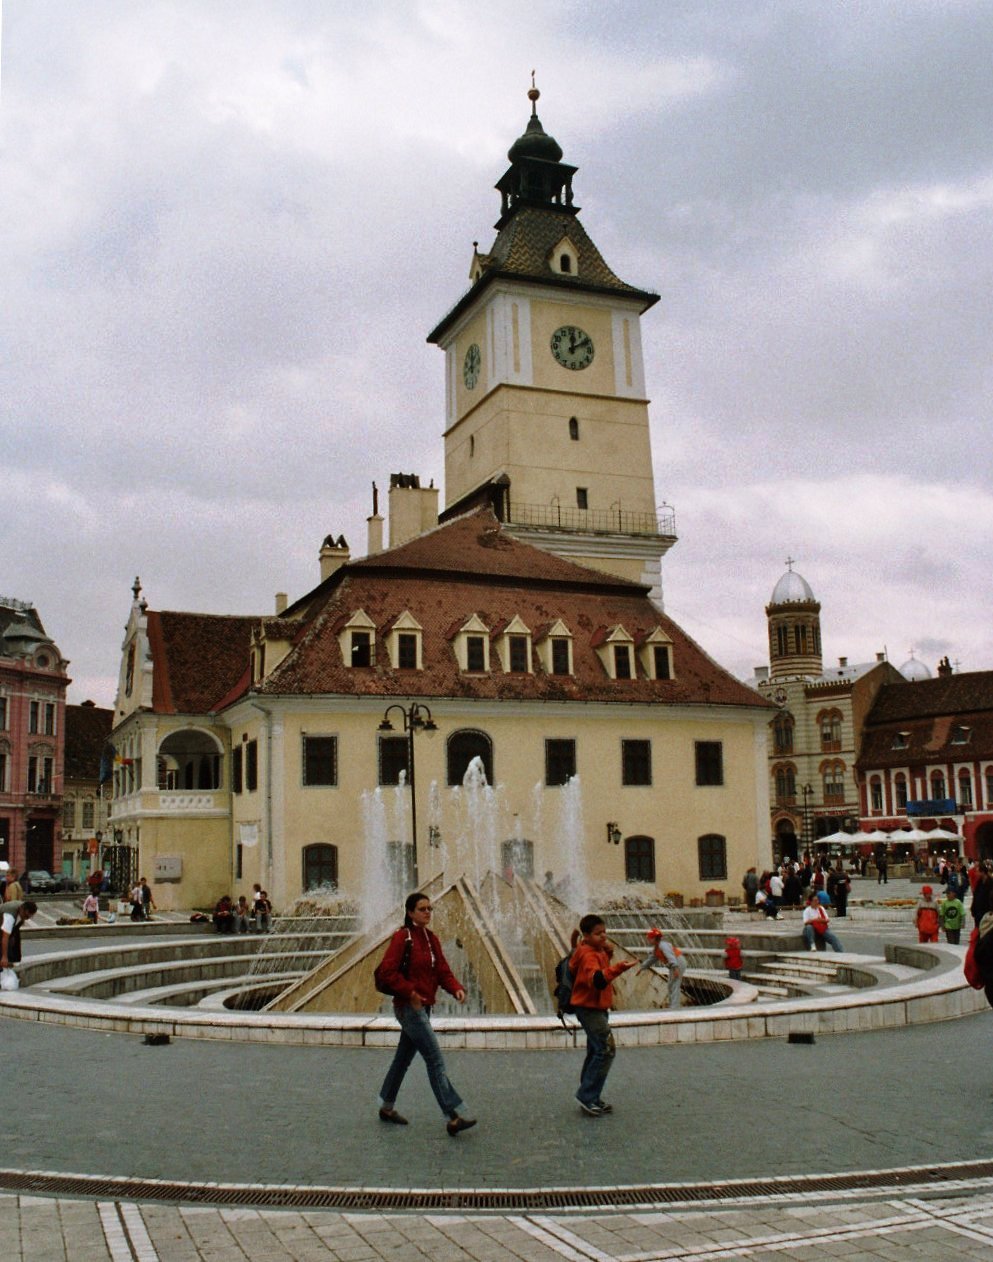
416,718
806,790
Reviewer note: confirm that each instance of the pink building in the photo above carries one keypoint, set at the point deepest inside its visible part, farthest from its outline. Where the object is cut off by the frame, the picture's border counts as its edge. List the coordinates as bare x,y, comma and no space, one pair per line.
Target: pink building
33,684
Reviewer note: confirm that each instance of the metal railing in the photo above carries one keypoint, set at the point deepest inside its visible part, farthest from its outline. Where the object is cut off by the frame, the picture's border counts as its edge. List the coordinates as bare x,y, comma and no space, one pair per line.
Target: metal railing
600,520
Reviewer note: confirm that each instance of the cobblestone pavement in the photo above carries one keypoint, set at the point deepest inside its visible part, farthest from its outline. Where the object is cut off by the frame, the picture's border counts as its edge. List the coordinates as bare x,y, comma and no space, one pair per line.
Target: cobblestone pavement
198,1111
956,1225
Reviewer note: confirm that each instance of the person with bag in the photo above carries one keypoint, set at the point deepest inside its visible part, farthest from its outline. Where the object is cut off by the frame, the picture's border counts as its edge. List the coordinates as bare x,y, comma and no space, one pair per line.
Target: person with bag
412,970
12,917
592,999
817,927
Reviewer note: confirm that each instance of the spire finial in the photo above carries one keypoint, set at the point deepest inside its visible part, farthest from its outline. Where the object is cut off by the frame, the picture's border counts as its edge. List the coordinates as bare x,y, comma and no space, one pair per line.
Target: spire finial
533,95
136,587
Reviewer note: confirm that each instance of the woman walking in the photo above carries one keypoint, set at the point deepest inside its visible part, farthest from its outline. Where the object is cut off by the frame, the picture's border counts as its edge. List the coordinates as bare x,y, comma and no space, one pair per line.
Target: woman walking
412,969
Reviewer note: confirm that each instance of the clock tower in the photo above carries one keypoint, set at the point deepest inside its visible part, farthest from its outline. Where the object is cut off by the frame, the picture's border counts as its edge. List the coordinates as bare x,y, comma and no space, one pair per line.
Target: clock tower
546,411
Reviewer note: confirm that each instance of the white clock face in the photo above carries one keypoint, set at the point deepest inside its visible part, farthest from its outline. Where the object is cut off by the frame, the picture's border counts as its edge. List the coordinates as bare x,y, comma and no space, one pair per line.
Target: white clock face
471,366
572,347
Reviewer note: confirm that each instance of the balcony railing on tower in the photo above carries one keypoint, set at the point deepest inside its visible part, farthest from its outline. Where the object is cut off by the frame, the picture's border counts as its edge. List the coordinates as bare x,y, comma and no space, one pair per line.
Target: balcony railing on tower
608,521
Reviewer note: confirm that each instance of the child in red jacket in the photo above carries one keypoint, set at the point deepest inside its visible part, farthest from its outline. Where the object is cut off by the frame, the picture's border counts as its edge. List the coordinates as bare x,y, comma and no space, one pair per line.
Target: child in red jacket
592,999
732,958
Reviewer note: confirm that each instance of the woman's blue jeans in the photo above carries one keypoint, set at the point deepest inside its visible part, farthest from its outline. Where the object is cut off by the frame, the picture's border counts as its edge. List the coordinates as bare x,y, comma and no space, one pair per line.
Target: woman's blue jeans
600,1053
416,1035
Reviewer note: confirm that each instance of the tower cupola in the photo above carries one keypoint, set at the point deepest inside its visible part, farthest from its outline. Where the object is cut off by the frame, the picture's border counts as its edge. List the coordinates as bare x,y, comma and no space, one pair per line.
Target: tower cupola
794,627
537,176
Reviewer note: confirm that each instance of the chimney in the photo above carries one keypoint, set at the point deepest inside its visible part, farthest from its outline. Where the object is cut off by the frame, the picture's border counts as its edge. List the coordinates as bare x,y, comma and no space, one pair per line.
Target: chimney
880,657
374,534
842,661
281,602
944,668
333,555
761,674
413,508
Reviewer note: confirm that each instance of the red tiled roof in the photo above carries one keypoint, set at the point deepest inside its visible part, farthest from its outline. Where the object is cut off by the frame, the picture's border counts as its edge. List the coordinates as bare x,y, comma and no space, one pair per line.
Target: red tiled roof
925,715
471,565
198,658
88,729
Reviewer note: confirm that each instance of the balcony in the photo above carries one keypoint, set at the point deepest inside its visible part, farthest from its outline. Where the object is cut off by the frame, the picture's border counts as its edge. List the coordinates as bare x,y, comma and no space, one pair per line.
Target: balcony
606,521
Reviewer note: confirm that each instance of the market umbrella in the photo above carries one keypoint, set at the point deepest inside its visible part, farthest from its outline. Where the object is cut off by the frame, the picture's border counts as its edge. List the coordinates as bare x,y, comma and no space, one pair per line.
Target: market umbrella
840,838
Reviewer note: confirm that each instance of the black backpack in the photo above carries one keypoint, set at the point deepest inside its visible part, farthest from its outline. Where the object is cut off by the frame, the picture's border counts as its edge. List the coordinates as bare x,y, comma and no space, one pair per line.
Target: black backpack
562,991
377,976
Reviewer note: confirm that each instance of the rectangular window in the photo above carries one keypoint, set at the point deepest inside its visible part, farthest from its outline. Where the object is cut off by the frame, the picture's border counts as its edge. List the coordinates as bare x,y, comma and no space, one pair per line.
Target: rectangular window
800,633
69,813
320,760
636,762
712,852
236,769
662,668
519,653
238,858
560,656
3,773
876,791
622,661
49,719
32,774
639,859
251,766
901,795
475,653
3,714
394,754
560,761
582,497
87,823
406,651
34,709
782,641
361,648
709,762
48,776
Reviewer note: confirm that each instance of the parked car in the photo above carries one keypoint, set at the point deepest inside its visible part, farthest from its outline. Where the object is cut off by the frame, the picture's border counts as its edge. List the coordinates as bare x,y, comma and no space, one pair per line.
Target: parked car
42,882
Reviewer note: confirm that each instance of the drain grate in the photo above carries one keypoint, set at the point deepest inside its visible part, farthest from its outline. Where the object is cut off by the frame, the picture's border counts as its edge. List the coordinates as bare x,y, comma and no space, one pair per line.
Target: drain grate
505,1200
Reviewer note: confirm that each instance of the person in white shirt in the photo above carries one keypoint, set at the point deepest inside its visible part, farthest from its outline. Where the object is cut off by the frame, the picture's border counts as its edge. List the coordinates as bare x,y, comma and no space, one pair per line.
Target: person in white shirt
817,927
776,891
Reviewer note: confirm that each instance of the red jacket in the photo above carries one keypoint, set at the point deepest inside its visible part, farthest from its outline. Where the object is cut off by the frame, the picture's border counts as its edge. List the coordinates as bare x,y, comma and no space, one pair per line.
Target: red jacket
732,956
583,964
428,967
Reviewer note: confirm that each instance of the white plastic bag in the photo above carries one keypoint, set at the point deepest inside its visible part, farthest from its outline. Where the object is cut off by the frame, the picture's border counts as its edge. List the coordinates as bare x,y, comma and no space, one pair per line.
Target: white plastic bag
9,979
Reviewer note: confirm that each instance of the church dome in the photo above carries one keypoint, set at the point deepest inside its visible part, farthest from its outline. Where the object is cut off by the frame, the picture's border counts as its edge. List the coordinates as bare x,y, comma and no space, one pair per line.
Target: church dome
914,670
535,143
791,589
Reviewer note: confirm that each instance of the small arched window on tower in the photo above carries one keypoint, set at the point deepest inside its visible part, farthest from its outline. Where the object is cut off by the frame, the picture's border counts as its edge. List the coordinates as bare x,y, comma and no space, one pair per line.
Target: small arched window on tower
565,263
574,429
472,445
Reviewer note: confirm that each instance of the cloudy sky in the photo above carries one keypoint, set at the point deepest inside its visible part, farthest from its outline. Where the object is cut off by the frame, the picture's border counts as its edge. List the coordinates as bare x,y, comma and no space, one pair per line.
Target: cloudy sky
226,228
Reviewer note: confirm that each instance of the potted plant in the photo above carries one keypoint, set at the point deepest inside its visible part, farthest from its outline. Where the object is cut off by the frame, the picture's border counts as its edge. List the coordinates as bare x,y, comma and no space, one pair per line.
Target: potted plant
674,898
714,898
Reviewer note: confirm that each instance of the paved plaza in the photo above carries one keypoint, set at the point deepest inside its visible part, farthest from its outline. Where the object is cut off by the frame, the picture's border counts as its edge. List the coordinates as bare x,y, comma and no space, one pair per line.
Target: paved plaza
266,1117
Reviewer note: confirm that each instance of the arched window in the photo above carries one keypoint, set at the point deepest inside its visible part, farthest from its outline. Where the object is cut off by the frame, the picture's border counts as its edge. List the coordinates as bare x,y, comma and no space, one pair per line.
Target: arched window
900,791
565,263
189,760
463,747
876,795
639,859
782,733
989,788
829,722
785,776
320,866
965,788
937,786
574,429
833,775
712,850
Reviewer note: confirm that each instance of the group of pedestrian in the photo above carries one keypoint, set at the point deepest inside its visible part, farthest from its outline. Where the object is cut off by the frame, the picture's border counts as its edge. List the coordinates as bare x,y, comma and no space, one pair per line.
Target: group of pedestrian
792,881
414,968
142,902
250,914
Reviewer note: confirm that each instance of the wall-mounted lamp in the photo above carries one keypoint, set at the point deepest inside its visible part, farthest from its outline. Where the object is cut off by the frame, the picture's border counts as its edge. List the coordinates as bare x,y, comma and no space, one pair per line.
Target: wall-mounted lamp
613,833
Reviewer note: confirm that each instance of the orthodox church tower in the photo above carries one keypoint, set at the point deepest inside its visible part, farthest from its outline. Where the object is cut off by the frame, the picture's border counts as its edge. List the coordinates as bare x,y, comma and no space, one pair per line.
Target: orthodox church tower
794,616
546,410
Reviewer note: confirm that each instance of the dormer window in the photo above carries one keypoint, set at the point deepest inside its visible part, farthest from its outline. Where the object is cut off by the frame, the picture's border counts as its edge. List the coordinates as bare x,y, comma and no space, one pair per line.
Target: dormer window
554,647
513,645
563,258
655,655
404,642
472,646
615,648
358,641
961,734
900,740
